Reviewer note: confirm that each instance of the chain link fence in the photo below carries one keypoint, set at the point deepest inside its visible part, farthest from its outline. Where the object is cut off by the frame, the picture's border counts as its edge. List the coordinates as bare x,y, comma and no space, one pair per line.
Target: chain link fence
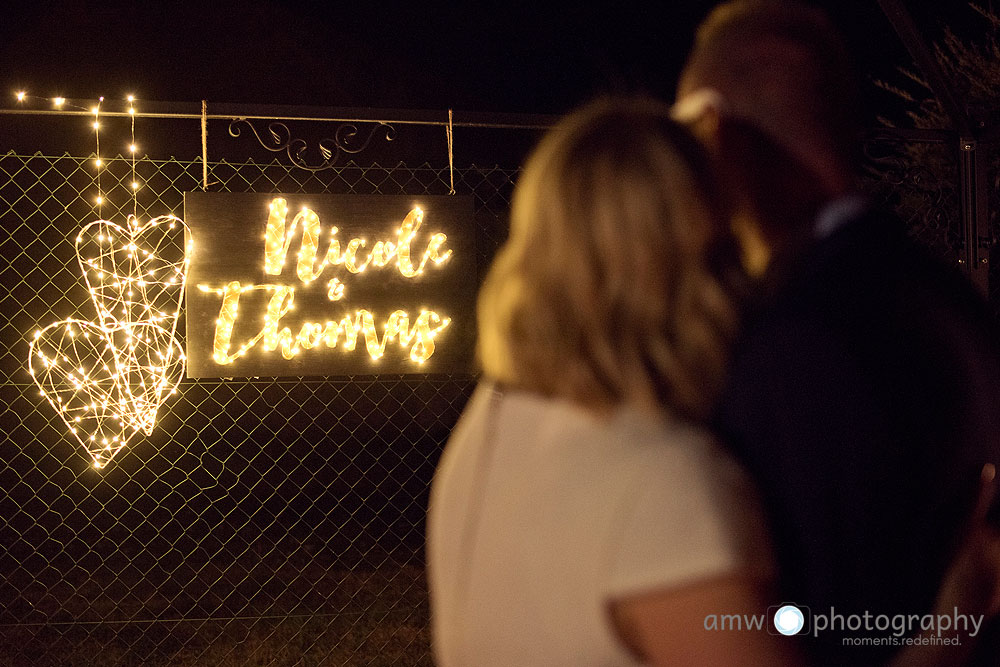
272,521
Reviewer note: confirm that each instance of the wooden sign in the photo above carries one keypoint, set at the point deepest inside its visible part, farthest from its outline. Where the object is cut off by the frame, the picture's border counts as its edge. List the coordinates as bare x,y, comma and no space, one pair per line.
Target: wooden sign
298,285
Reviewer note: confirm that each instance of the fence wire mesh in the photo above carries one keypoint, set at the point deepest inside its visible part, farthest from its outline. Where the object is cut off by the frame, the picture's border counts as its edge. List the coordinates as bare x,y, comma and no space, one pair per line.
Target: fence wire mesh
265,522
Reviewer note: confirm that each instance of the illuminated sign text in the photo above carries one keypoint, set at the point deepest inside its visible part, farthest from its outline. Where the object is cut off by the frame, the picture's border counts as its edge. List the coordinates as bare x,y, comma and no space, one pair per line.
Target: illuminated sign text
279,281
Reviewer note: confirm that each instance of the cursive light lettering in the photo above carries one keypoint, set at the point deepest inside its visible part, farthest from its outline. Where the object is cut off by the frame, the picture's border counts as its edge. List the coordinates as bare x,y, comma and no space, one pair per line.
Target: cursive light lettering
417,337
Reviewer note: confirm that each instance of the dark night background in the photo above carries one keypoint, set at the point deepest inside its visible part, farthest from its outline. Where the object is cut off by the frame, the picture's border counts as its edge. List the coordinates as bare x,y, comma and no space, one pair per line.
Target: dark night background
530,57
284,515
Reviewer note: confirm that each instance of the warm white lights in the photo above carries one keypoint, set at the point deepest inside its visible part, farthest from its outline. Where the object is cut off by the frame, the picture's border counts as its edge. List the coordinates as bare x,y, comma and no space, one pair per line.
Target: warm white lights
277,240
394,252
105,402
343,333
96,110
134,273
107,378
132,149
97,125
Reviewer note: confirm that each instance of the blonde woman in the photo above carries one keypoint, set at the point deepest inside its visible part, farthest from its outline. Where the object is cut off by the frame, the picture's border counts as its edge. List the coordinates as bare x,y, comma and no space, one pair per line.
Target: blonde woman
580,516
576,496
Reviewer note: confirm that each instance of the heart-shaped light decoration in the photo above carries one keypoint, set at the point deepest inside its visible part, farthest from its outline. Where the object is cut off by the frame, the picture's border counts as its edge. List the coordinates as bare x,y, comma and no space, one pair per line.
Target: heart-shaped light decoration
108,378
135,273
104,403
150,366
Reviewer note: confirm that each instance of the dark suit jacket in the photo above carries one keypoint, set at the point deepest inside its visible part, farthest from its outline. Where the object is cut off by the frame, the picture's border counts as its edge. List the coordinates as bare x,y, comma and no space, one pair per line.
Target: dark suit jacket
864,398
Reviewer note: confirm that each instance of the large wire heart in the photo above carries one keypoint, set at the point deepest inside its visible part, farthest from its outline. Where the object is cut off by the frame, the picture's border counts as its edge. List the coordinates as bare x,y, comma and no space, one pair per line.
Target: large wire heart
135,273
107,378
104,402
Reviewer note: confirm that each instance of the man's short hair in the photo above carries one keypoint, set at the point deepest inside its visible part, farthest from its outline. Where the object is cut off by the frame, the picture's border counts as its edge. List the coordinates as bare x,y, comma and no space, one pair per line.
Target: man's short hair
784,67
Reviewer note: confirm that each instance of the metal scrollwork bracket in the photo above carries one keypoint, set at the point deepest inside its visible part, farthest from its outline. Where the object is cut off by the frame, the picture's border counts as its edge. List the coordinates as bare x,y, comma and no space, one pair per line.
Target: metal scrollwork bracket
348,139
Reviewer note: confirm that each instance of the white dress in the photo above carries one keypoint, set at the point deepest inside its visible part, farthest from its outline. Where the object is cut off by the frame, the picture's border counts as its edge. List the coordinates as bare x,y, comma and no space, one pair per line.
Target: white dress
541,513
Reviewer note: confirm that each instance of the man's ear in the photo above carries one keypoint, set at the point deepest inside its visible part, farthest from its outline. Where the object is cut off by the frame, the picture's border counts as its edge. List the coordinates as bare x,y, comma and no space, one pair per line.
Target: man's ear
699,109
706,127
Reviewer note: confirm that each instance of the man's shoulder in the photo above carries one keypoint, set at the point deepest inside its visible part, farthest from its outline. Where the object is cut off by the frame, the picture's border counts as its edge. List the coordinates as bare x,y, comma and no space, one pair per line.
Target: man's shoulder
869,309
870,271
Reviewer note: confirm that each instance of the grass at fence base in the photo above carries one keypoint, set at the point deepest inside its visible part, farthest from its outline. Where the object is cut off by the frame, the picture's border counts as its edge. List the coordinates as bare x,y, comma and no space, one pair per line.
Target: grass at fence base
362,632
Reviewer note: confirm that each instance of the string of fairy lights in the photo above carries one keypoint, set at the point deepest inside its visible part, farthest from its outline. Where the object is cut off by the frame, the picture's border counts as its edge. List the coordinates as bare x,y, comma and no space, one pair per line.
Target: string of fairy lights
107,378
99,163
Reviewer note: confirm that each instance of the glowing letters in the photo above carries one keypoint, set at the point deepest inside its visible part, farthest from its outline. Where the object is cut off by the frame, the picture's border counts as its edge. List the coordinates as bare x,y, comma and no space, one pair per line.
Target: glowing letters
277,241
255,317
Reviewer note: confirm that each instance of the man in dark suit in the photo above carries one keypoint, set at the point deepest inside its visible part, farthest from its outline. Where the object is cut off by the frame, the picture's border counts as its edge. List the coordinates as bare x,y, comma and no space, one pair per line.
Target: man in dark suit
865,393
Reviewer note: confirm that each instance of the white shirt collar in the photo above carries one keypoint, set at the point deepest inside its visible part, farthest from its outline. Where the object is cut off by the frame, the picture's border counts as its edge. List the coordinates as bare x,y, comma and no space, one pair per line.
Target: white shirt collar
837,212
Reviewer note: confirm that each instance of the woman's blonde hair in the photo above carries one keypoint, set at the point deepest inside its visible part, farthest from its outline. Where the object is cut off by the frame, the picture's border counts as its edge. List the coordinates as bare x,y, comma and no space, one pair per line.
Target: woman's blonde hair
608,290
